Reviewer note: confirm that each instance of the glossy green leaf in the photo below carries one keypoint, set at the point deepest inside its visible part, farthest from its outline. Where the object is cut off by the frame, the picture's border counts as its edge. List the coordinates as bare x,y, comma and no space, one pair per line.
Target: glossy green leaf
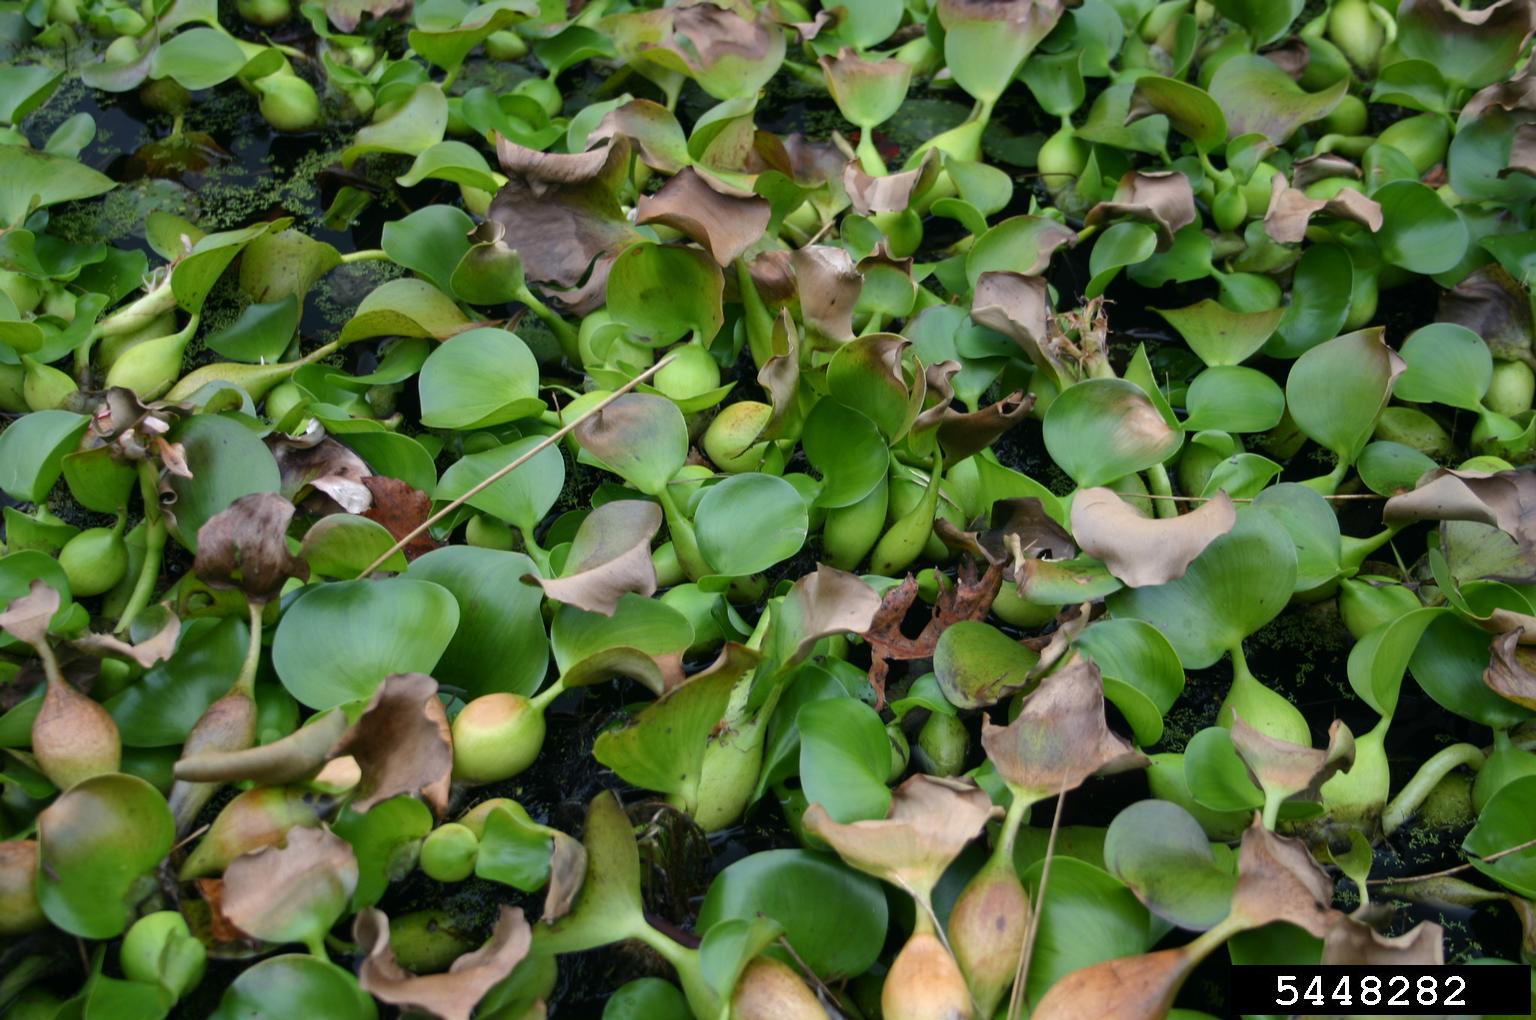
1447,364
522,497
283,987
978,665
379,838
227,461
1101,430
1506,822
1141,672
1336,391
1190,109
749,522
845,758
337,642
1219,335
32,452
1232,398
479,378
847,449
1157,849
663,292
500,644
1258,97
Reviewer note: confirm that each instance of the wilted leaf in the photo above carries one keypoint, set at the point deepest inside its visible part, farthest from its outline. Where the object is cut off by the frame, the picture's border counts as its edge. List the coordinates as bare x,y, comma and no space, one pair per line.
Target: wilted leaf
246,547
26,618
726,225
1353,943
1141,550
321,474
1017,306
891,193
1283,769
1290,210
401,508
930,822
1506,500
1128,988
1060,737
401,744
292,893
1509,673
828,601
829,288
1492,304
288,759
451,995
610,557
969,598
146,653
1277,880
1163,199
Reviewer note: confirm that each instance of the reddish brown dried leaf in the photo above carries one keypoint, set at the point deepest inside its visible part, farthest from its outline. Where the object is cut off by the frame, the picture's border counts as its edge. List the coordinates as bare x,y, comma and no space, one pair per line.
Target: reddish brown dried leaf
401,744
969,598
401,508
453,994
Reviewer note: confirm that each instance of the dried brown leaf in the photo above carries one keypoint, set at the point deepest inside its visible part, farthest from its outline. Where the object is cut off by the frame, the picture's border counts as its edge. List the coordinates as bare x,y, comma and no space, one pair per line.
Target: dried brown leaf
725,225
1290,210
969,598
1060,737
275,892
401,744
401,508
1506,500
1016,305
1164,200
929,823
1493,304
1509,673
826,602
245,546
1277,880
1290,769
1143,551
26,618
146,653
609,558
780,375
567,869
1354,943
893,192
829,288
451,995
320,474
1128,988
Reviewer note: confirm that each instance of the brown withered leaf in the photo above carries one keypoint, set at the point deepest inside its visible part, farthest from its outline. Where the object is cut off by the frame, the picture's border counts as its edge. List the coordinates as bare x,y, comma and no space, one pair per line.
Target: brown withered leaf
1506,500
1164,200
725,225
1126,988
962,433
1290,210
780,376
288,759
1319,168
772,275
930,821
968,598
829,288
703,35
567,869
1070,622
1016,305
561,211
1060,737
346,15
1517,92
212,892
826,602
1354,943
1140,550
1020,529
26,618
610,557
1509,673
146,653
893,192
1492,303
1291,770
453,994
1505,19
401,744
245,546
401,508
292,892
812,161
320,474
1277,880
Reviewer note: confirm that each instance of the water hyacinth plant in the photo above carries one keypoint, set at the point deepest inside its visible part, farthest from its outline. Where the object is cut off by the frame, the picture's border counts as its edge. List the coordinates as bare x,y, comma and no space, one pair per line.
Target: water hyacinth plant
747,509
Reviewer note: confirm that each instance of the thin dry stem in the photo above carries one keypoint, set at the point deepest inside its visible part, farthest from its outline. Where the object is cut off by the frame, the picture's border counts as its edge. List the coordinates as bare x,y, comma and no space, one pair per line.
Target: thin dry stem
1027,950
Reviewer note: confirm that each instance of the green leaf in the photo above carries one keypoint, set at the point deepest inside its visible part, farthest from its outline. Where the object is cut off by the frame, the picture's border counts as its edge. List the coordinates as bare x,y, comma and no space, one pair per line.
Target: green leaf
848,451
456,162
514,849
749,522
1141,672
261,334
1231,398
1219,335
640,437
1216,775
198,59
1313,527
378,838
648,998
608,907
96,843
1158,849
835,918
1506,822
1239,583
479,378
1124,244
978,665
1469,49
869,375
196,273
1258,97
1101,430
1336,391
1021,244
227,461
1378,660
845,757
1447,364
1190,109
663,748
25,87
283,987
410,129
343,545
1419,232
405,307
1086,916
1449,663
35,180
500,644
337,642
523,496
430,241
1264,20
664,292
32,451
1321,288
